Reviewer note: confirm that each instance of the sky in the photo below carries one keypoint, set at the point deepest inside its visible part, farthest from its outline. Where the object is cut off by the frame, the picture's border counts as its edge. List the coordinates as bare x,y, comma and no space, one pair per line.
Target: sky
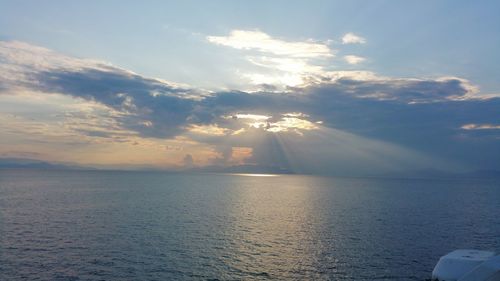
328,87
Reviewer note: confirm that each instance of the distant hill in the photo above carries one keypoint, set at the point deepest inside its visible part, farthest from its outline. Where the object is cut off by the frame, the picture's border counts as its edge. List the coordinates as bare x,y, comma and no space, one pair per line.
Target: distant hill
25,163
439,174
484,174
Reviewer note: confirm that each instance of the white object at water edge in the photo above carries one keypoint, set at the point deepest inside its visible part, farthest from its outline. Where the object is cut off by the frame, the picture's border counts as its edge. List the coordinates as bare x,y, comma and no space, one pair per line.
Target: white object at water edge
468,265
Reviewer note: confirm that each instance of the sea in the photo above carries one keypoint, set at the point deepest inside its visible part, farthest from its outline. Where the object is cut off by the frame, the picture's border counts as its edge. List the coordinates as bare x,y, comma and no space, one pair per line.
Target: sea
118,225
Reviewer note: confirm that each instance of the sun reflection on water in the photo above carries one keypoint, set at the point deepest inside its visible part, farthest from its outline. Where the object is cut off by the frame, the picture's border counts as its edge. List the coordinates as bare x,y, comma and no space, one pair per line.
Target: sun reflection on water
255,175
273,228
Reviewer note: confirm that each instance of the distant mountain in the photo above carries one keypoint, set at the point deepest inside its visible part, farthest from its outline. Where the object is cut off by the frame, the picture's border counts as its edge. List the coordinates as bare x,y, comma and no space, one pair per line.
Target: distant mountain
25,163
484,174
439,174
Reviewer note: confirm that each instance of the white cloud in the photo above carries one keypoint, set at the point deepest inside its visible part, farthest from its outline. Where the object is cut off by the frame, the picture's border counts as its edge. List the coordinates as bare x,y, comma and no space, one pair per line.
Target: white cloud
351,59
295,114
351,38
279,81
292,121
480,127
290,63
291,124
252,116
214,130
260,41
283,71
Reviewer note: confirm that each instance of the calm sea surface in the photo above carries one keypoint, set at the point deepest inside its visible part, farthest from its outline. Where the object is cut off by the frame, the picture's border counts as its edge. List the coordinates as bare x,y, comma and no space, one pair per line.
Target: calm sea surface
80,225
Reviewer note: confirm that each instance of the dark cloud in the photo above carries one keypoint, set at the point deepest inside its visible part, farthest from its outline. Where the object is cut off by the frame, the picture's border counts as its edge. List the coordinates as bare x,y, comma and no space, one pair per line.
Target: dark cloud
423,114
155,108
433,127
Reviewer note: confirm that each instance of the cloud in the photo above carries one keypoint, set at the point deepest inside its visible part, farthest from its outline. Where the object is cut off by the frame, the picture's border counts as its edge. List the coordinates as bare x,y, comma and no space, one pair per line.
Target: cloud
357,113
262,42
405,90
254,117
150,106
280,63
291,124
213,130
188,161
351,38
351,59
480,127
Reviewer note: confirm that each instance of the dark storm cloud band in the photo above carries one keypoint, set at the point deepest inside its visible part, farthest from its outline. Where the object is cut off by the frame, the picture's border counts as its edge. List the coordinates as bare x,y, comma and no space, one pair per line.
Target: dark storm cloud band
425,114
